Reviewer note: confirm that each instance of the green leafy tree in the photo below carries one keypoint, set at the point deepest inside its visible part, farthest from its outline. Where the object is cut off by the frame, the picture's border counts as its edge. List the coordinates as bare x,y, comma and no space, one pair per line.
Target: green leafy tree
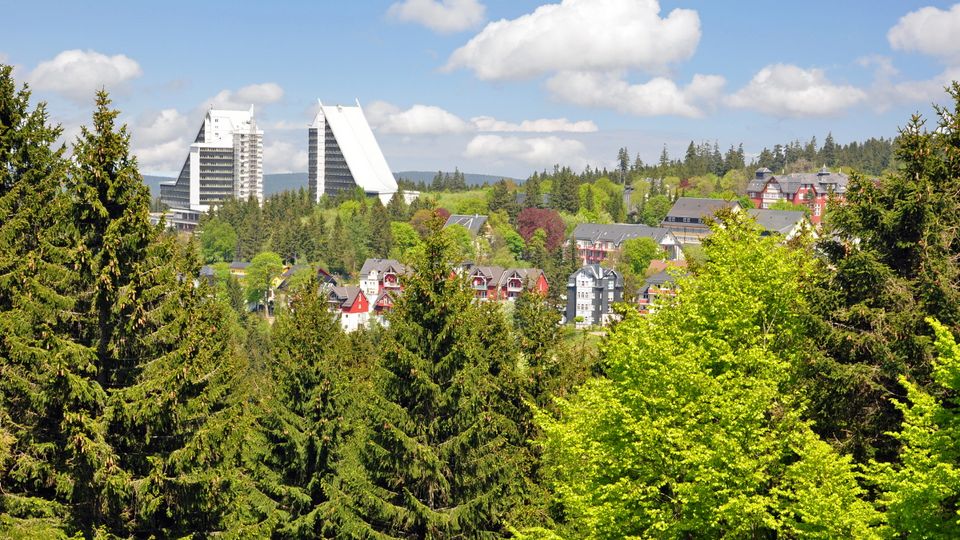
636,254
405,238
718,448
462,242
218,241
442,455
263,269
655,210
920,492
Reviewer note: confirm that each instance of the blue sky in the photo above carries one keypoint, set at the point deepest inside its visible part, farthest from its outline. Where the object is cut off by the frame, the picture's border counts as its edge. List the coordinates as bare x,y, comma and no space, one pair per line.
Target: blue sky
498,87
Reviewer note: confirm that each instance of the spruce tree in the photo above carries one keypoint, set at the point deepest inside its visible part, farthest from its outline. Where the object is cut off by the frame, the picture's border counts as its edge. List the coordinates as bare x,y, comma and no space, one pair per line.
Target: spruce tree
893,249
441,456
35,283
308,418
381,237
397,207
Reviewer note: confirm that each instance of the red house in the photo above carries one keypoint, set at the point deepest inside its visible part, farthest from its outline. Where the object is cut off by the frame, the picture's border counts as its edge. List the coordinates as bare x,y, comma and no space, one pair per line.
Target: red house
351,305
807,189
499,284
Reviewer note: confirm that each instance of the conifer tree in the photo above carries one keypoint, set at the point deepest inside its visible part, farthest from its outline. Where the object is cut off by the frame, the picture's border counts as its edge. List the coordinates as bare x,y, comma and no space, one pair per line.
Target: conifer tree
309,417
532,194
35,283
441,456
893,247
381,237
397,207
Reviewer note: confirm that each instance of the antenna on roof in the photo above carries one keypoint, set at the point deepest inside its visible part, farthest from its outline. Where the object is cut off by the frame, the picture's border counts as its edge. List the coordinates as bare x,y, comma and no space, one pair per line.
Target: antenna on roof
358,102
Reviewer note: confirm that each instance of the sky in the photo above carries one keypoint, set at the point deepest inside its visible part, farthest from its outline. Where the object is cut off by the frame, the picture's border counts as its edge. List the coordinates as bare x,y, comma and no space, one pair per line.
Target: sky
502,87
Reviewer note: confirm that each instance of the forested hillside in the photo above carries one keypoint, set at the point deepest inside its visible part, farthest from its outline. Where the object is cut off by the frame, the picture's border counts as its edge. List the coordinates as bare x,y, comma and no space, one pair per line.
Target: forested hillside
799,389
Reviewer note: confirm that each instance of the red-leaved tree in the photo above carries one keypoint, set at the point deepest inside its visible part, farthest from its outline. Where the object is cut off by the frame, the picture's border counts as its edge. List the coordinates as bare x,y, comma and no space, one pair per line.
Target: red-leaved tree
531,219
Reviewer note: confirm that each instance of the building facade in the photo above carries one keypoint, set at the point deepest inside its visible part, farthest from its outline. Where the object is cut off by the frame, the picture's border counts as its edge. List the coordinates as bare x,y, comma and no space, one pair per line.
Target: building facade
498,284
813,190
343,154
687,219
656,289
350,305
225,161
591,291
596,242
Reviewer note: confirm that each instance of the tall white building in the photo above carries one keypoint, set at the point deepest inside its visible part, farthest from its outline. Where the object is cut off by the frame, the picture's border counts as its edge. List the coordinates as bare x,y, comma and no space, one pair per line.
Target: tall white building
225,161
343,154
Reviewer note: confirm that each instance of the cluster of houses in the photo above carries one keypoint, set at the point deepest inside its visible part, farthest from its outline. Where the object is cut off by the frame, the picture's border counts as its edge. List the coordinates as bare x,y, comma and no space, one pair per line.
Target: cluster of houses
594,288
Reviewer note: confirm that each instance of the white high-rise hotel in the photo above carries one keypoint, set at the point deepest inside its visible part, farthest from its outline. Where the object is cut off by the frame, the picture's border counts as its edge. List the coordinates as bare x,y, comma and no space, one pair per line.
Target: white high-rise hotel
225,161
343,154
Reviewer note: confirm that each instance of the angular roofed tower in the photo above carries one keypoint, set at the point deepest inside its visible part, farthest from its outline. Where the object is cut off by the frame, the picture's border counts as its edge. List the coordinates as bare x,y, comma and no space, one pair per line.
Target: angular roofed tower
343,154
225,161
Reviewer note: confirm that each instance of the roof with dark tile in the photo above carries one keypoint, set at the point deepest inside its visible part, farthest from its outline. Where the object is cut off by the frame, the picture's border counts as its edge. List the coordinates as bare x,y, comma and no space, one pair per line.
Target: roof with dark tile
618,232
694,207
778,221
473,223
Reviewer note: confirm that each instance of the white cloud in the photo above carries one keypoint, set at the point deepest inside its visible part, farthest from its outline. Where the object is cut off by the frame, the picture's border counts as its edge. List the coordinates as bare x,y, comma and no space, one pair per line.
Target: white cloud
440,16
537,151
283,157
930,31
557,37
254,94
542,125
166,157
159,126
160,140
787,90
417,120
657,97
79,74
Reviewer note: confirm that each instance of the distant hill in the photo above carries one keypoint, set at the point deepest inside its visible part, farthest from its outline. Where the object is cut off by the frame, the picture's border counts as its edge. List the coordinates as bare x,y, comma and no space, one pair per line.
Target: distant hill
472,179
272,183
275,183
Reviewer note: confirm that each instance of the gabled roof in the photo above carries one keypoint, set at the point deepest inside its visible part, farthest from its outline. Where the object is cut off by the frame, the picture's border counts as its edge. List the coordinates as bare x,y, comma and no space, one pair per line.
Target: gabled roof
498,276
344,297
823,181
472,223
618,232
382,265
777,221
659,279
596,272
694,207
493,274
386,297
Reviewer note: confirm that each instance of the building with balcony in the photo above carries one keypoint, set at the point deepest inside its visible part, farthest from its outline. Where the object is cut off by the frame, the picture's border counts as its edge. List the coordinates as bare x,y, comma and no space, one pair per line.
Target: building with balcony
343,154
225,161
591,291
381,275
812,190
656,289
495,283
596,242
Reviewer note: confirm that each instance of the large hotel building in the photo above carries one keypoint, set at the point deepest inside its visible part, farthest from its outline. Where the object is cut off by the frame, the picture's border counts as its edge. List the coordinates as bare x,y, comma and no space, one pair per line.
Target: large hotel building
343,154
225,161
